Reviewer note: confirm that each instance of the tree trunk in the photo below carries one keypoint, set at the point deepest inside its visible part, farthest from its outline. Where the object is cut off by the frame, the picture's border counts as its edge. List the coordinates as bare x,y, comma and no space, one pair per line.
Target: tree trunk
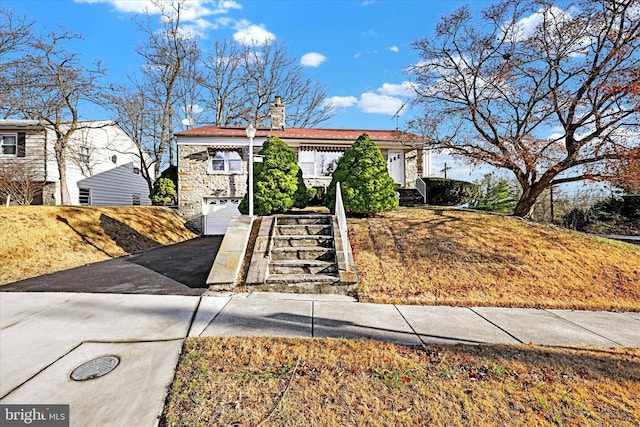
528,199
65,197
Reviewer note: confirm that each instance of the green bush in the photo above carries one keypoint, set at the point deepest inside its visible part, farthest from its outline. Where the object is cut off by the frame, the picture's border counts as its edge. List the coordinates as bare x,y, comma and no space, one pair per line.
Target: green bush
367,188
578,219
607,207
449,192
172,173
163,192
277,184
301,196
495,196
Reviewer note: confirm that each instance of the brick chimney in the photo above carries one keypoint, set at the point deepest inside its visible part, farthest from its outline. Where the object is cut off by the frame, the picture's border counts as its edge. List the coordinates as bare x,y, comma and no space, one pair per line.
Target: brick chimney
277,114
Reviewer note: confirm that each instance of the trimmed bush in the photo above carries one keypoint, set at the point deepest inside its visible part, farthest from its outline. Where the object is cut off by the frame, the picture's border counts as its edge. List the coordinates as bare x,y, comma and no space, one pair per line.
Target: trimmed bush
277,183
449,192
367,188
163,192
301,196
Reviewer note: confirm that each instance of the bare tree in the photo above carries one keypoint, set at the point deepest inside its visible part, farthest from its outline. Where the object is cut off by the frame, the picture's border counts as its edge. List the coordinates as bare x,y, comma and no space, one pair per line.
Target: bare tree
135,116
15,36
20,181
224,80
241,81
189,91
50,85
493,91
166,51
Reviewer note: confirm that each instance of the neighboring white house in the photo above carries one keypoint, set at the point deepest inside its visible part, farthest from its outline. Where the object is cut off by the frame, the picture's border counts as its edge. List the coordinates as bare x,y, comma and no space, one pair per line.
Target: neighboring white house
212,165
103,163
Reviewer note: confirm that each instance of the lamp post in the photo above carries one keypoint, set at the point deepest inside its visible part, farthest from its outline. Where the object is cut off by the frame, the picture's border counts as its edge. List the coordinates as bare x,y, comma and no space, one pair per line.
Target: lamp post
251,133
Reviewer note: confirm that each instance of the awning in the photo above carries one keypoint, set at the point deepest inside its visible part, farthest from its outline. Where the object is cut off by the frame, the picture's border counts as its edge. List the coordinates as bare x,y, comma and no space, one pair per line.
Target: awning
214,148
325,148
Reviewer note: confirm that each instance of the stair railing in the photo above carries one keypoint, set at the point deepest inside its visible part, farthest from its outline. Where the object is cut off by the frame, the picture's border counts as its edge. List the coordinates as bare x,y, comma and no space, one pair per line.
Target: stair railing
342,225
421,186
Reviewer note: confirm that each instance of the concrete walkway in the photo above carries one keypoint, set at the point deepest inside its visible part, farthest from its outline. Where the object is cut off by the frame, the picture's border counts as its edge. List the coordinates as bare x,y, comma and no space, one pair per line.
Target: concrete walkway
45,336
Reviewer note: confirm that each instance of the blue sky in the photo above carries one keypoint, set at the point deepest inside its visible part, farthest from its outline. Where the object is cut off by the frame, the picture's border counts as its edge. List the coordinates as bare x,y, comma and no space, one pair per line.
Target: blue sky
357,48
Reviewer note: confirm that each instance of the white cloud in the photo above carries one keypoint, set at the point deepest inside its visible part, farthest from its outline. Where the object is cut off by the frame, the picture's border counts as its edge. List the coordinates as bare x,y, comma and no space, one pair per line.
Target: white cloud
193,9
371,102
394,49
528,27
248,33
140,6
336,102
388,99
192,13
403,89
193,109
312,59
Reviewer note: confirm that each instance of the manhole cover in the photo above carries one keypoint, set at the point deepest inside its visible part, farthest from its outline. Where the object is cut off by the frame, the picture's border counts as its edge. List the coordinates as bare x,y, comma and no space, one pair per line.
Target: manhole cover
95,368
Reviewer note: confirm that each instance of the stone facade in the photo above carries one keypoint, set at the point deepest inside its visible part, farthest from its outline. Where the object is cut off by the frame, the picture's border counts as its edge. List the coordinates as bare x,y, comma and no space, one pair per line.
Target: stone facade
196,182
412,167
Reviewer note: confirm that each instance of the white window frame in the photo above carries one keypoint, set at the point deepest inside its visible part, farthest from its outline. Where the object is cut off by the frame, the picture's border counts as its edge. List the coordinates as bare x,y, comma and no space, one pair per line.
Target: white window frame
80,195
2,144
225,154
306,165
84,154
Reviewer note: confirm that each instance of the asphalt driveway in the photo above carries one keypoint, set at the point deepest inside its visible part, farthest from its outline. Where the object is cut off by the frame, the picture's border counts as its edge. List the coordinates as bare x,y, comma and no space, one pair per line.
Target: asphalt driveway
179,269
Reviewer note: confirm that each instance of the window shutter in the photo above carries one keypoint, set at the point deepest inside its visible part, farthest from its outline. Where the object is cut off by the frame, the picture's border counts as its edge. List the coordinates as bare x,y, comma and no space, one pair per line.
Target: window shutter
22,146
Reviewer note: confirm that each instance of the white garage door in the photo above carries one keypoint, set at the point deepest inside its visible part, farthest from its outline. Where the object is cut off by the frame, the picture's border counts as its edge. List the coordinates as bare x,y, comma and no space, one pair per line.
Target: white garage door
218,214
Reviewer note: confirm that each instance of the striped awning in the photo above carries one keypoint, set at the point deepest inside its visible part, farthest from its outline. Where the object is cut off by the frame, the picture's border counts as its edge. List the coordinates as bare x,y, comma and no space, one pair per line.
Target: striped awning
224,148
326,148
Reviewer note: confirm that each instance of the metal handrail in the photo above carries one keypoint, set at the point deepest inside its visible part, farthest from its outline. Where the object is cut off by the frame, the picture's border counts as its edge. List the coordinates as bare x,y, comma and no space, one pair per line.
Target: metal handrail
421,186
342,224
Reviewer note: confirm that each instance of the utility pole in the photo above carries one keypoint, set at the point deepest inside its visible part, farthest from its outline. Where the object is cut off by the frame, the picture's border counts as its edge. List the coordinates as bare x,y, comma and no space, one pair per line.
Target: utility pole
445,169
551,199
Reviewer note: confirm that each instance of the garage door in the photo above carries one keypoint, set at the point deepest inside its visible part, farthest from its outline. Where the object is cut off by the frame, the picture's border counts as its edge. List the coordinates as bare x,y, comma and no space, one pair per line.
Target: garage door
218,214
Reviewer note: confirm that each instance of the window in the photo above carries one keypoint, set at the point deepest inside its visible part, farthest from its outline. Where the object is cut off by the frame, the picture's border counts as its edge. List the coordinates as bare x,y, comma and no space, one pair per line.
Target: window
226,161
8,144
136,199
318,162
85,196
84,154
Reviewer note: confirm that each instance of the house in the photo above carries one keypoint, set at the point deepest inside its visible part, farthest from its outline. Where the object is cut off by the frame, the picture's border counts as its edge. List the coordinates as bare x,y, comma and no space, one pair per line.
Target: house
212,165
102,167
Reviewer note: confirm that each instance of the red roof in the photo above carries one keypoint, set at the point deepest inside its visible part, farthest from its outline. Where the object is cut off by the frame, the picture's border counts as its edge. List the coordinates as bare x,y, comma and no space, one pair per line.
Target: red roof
301,133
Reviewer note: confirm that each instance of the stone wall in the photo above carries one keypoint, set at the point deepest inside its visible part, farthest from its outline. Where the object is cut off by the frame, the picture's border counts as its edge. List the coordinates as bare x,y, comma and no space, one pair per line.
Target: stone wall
195,183
412,167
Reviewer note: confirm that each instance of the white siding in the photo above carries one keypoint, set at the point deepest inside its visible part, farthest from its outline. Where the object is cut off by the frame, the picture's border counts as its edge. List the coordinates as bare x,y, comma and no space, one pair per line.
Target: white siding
116,187
104,141
34,148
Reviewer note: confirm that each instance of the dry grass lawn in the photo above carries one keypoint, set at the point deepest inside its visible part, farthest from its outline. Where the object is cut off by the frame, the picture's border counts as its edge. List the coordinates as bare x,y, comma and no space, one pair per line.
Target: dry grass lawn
467,258
37,240
288,382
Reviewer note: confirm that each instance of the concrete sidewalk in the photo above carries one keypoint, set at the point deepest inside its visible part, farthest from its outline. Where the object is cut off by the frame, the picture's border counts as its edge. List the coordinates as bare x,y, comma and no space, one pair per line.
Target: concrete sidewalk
45,336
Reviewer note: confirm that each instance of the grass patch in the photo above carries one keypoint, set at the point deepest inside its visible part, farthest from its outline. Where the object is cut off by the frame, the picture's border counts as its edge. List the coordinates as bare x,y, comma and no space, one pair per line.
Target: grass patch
278,381
38,240
466,258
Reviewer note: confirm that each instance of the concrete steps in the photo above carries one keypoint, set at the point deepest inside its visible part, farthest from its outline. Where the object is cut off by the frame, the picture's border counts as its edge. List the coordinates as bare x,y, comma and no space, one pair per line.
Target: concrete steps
410,197
302,267
303,254
297,254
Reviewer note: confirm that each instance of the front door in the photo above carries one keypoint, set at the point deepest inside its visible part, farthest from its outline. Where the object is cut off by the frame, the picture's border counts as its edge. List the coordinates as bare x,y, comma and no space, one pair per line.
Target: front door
395,166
